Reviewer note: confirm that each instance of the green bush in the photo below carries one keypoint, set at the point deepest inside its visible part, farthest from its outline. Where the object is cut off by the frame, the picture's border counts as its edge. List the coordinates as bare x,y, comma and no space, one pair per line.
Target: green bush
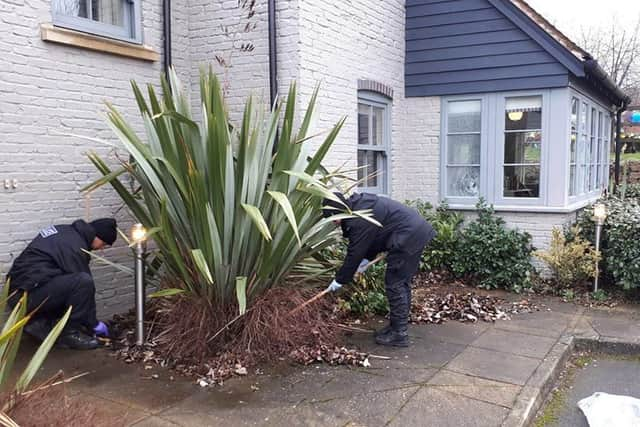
619,244
572,260
366,294
438,255
492,256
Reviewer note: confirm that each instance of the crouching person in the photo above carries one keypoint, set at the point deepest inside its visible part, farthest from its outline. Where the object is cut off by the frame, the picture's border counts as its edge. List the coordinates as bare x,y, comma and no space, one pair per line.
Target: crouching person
54,271
403,235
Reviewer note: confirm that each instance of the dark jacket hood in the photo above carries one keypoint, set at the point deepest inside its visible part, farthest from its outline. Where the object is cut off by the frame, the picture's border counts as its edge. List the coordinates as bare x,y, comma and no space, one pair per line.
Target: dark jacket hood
85,230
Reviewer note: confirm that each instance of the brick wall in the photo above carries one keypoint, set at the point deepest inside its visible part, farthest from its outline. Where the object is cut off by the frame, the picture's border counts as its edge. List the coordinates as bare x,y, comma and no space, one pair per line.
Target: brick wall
48,91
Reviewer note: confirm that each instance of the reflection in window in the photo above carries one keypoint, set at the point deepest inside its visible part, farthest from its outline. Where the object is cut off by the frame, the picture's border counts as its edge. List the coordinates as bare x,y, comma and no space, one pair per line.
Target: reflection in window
522,146
573,146
463,148
110,12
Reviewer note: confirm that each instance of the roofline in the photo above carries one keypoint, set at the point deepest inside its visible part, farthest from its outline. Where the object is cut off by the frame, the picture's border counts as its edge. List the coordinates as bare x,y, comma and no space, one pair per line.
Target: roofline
579,62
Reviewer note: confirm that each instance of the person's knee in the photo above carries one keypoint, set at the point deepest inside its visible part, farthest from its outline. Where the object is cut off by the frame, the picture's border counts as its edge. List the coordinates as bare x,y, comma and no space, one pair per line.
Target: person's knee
84,283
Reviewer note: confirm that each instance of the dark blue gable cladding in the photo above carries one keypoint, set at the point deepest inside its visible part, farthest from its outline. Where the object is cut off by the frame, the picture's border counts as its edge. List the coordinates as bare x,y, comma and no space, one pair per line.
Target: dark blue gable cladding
470,46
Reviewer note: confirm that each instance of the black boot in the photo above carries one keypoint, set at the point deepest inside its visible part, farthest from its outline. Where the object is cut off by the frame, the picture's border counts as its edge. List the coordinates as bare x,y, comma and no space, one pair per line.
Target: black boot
394,338
382,331
38,328
76,340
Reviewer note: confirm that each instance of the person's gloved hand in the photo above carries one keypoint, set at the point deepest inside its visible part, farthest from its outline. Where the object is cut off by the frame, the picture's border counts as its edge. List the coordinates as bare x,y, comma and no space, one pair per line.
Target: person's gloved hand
101,330
334,286
363,266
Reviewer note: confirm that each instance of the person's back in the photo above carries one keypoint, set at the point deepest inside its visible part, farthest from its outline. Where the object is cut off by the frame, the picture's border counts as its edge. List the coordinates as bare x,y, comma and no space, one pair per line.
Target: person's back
56,250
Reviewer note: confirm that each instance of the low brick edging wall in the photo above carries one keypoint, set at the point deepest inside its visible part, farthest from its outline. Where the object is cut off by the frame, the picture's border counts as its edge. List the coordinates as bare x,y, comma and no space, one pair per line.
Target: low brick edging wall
633,172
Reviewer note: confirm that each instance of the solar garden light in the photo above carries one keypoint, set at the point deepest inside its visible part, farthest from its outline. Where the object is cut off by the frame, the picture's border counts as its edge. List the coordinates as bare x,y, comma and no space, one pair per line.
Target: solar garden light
139,237
599,215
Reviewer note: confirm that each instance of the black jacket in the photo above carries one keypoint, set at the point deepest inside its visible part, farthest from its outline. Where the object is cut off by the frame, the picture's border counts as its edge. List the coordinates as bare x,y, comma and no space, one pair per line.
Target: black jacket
403,229
55,251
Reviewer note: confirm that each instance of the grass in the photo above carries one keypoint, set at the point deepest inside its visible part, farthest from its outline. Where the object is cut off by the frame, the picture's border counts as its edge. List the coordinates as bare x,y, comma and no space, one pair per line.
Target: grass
630,156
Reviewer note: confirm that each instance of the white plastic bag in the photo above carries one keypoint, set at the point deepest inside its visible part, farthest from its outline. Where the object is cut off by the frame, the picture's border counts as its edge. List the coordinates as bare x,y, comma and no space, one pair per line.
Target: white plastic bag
609,410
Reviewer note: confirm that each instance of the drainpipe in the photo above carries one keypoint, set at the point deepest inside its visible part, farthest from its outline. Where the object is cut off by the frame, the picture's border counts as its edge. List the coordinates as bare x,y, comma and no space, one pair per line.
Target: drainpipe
166,32
273,53
619,112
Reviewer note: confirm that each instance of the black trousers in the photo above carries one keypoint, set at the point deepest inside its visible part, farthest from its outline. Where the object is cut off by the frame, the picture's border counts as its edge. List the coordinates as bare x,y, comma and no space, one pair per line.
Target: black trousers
76,290
401,267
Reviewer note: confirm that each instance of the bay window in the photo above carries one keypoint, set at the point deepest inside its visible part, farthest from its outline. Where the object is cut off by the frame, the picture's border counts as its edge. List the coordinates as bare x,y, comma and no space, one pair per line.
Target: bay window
509,148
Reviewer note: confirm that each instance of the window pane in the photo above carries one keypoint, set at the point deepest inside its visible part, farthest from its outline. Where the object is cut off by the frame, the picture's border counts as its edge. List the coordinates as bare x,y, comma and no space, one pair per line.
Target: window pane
363,124
521,181
463,149
574,115
523,113
573,147
522,147
463,181
464,116
378,118
108,11
572,180
370,168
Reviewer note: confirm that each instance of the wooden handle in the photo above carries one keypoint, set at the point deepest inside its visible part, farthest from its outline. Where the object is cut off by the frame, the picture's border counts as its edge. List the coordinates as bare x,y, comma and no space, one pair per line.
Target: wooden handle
309,301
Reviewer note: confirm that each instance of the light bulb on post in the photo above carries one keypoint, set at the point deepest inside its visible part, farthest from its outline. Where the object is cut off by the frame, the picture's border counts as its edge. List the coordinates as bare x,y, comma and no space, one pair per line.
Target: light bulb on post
599,213
138,233
139,236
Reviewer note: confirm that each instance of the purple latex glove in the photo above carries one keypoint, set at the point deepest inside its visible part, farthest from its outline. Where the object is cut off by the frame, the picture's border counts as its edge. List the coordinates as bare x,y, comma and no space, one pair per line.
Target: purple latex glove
101,330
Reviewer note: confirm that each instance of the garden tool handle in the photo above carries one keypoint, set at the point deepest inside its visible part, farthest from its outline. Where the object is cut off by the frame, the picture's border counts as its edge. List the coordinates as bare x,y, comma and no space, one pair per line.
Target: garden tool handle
309,301
375,260
326,291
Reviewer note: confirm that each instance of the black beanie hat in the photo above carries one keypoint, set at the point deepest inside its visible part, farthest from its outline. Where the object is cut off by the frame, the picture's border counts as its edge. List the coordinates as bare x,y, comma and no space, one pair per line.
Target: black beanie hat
331,207
105,229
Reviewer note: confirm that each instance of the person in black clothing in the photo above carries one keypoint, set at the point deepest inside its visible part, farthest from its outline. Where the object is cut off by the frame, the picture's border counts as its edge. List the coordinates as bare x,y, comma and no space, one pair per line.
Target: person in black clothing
403,235
54,272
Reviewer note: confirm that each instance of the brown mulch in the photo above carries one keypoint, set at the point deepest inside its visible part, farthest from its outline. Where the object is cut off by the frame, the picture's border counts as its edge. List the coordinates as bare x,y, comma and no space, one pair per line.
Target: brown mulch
197,340
51,406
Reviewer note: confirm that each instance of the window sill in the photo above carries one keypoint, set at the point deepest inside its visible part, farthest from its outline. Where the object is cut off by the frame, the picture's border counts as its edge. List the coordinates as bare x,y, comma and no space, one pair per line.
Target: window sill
101,44
531,209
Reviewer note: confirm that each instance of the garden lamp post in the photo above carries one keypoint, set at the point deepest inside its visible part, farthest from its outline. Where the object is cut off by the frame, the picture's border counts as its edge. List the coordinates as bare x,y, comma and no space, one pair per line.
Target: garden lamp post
139,237
599,215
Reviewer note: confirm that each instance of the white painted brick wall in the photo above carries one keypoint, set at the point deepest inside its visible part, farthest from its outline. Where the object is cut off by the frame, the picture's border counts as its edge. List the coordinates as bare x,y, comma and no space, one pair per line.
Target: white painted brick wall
48,91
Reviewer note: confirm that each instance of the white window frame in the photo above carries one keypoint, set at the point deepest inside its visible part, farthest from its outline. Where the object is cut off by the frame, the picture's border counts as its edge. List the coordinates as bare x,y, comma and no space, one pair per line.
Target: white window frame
492,154
444,161
131,33
584,190
374,99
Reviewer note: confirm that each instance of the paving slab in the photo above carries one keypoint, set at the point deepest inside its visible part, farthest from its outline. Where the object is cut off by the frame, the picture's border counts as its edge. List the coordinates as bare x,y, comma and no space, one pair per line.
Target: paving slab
624,328
495,392
515,343
433,407
154,421
451,332
493,365
372,409
543,323
117,413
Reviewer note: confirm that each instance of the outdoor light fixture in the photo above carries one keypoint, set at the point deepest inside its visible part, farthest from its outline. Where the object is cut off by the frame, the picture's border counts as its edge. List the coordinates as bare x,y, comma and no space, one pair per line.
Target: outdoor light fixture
599,215
139,237
515,116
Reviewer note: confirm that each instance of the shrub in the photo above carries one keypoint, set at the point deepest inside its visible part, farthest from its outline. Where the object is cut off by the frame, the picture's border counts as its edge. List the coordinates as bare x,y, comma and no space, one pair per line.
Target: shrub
233,209
12,388
572,261
438,255
619,245
367,295
492,256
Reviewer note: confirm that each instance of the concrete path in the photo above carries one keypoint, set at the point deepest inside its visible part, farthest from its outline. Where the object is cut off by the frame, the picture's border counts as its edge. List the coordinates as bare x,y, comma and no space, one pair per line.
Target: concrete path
453,375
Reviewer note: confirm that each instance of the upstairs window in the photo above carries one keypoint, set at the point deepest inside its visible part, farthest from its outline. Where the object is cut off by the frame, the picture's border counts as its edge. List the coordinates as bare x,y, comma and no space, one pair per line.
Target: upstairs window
118,19
374,134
